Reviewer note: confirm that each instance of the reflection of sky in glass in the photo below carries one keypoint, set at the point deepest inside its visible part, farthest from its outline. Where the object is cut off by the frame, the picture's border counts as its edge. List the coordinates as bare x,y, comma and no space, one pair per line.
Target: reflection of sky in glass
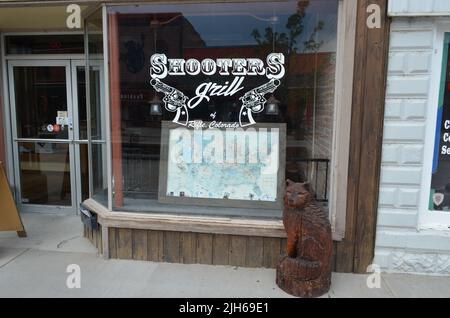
234,29
231,24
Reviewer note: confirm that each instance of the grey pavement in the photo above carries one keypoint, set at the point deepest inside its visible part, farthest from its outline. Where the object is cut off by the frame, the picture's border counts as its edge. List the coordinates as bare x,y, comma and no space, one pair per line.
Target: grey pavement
36,267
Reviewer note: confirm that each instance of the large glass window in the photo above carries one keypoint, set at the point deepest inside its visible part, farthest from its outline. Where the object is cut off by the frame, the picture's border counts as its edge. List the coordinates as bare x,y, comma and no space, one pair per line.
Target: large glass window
258,74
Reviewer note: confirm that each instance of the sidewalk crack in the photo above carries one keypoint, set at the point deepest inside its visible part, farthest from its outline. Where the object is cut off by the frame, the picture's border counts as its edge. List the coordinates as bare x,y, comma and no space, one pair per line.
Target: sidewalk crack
65,241
15,257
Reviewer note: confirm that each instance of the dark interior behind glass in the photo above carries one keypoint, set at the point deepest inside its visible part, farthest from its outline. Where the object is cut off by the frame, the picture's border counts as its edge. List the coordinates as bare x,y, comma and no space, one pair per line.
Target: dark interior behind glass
304,31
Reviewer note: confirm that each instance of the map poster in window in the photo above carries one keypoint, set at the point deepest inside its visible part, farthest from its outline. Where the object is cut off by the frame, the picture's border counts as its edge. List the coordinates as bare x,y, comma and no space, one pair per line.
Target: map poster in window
224,165
440,181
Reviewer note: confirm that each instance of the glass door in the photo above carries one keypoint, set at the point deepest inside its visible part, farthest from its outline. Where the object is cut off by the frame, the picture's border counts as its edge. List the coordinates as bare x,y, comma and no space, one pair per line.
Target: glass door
49,114
81,124
50,145
43,135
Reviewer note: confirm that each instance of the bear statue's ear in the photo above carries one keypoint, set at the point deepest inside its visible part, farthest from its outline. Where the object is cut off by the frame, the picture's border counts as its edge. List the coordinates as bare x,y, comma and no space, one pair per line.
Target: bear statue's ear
289,182
307,186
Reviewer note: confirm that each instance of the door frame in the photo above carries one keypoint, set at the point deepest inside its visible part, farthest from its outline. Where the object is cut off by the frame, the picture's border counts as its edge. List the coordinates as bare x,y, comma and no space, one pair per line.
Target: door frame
71,64
24,207
77,141
74,141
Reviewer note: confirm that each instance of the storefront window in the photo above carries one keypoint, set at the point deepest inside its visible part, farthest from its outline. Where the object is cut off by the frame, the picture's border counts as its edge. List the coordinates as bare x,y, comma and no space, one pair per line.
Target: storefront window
254,80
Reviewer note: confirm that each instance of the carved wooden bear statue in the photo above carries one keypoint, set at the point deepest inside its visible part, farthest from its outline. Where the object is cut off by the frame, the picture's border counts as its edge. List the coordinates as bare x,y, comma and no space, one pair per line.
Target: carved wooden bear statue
306,269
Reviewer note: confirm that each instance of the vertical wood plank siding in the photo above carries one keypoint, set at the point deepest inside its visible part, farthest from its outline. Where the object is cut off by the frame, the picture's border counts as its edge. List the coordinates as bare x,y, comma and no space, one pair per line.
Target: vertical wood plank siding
94,236
190,248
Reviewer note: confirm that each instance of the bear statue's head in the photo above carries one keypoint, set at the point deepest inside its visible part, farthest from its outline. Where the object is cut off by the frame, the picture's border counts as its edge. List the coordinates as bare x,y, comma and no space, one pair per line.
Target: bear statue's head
297,195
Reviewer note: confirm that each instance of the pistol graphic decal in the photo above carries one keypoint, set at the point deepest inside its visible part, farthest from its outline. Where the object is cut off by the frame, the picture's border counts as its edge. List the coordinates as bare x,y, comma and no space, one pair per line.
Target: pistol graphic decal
253,102
174,101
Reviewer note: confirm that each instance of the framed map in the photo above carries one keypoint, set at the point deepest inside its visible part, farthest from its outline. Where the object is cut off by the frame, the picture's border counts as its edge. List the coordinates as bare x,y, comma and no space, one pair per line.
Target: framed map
231,167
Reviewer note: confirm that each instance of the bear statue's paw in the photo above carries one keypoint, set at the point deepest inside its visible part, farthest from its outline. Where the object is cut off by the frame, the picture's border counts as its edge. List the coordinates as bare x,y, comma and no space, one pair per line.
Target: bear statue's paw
303,288
300,268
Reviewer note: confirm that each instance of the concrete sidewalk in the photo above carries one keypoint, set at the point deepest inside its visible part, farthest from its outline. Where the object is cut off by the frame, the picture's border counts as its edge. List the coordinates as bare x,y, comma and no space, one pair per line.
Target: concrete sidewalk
36,267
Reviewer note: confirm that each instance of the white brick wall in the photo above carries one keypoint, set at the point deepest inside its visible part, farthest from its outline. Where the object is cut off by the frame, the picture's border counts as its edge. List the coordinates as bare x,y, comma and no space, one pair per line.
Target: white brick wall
418,7
400,246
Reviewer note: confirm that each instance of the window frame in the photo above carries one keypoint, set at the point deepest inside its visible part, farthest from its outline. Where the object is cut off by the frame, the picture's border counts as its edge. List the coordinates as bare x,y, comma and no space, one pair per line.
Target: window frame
430,219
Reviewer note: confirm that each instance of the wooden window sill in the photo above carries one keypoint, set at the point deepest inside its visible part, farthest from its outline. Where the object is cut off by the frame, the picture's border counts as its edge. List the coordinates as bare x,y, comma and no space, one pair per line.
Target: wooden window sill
186,223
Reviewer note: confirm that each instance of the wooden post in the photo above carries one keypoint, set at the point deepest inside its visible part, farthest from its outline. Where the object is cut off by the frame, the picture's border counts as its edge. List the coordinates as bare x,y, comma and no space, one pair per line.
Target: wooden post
356,251
105,242
116,116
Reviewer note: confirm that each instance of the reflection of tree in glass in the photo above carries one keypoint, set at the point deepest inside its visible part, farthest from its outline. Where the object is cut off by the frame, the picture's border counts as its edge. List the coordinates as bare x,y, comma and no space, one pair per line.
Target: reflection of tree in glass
298,84
312,44
295,26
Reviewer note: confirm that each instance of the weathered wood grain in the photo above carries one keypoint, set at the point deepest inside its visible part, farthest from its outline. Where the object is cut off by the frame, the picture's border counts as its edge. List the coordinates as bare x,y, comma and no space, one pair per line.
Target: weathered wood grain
271,251
356,250
238,250
105,242
221,249
172,247
100,240
204,248
112,242
371,141
283,246
255,249
185,223
124,244
155,245
140,248
188,248
305,270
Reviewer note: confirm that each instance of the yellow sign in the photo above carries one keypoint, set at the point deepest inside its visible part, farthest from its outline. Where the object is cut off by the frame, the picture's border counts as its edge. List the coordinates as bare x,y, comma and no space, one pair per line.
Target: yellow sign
9,215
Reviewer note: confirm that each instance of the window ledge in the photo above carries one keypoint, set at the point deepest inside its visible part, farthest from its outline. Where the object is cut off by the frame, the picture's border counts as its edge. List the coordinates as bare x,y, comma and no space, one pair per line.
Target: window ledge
185,223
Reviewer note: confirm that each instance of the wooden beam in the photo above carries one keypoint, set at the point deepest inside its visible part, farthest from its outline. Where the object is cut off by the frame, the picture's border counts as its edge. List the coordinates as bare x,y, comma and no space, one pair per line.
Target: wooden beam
356,250
116,115
105,242
377,43
187,223
345,248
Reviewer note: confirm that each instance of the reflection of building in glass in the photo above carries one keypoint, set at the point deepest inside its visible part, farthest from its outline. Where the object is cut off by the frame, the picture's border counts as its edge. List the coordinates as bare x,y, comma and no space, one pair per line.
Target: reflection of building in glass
305,96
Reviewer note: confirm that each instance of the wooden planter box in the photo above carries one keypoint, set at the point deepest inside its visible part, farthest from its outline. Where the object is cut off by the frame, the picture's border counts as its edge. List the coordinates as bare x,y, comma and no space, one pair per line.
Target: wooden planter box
186,240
